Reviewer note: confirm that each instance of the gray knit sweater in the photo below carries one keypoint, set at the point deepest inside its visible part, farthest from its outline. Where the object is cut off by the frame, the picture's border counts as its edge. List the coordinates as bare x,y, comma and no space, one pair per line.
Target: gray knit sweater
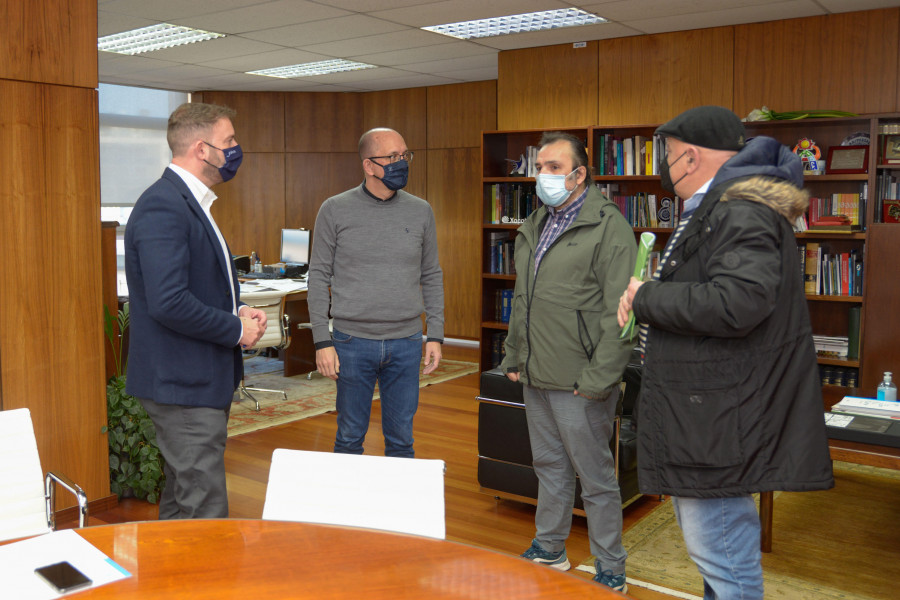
380,259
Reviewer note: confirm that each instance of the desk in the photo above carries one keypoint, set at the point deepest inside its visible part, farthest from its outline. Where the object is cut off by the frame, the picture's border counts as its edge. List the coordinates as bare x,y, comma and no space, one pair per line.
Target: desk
860,453
231,558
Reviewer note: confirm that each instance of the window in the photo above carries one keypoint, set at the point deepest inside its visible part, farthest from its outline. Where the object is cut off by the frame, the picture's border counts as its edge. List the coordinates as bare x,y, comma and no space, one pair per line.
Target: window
133,151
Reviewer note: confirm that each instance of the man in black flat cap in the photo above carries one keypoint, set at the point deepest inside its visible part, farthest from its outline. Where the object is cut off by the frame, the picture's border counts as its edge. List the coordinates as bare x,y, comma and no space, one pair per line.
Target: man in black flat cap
730,399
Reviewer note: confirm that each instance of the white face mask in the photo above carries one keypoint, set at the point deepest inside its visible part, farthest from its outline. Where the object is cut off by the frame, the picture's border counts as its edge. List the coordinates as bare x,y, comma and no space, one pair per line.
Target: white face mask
551,189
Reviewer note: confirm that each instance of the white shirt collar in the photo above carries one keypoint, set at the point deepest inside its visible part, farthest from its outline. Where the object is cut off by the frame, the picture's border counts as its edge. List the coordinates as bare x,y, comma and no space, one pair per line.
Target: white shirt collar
691,204
202,194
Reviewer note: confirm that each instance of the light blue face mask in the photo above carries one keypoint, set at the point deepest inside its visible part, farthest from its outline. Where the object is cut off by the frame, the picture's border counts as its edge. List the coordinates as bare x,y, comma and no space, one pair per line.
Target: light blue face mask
551,189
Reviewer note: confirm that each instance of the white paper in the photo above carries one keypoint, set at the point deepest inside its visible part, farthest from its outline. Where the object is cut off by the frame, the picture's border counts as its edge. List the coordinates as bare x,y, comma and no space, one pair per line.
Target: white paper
19,560
834,420
379,492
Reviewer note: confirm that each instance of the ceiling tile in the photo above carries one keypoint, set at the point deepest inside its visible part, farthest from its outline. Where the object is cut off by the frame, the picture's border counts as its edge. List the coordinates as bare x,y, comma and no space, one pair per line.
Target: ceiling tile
165,10
266,60
262,16
457,49
329,30
384,42
791,9
453,64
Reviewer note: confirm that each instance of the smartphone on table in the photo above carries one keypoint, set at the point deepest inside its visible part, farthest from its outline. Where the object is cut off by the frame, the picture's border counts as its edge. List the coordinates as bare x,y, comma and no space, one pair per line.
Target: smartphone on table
63,577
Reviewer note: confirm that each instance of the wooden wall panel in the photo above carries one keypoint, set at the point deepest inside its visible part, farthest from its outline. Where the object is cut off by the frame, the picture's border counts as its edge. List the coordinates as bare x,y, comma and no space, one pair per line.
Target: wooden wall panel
652,78
259,124
310,179
454,184
845,61
401,110
458,113
51,331
882,310
51,41
250,208
552,86
322,121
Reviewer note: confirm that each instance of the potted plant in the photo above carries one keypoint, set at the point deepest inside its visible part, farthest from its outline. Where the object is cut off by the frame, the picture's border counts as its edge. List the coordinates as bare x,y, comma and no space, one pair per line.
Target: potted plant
135,463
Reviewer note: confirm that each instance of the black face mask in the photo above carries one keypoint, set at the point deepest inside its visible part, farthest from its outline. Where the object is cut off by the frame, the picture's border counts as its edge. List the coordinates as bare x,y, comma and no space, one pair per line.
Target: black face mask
664,175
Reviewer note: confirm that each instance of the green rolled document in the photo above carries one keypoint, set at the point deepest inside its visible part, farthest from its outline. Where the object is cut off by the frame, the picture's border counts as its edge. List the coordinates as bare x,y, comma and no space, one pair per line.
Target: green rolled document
644,247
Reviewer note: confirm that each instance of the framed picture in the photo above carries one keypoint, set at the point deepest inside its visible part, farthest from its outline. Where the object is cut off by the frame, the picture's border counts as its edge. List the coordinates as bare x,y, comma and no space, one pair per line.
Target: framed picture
847,159
891,150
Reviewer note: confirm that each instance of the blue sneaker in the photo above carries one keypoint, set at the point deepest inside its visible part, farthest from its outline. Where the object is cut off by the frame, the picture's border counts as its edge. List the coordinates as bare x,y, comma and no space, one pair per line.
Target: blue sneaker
616,582
557,560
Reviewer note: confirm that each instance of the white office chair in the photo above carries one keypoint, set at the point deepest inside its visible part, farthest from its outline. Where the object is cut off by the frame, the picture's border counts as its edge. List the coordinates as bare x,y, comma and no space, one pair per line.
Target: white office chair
405,495
27,497
277,335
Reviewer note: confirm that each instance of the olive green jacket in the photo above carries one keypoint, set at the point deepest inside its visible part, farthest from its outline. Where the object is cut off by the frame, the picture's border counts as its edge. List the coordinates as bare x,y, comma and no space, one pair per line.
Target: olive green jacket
563,333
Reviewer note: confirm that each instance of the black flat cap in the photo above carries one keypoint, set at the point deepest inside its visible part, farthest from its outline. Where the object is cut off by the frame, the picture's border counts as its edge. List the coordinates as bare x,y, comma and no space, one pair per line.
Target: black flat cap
706,126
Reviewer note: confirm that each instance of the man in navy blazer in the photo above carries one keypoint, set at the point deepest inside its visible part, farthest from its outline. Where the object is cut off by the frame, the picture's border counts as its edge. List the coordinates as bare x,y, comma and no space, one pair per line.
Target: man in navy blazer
187,323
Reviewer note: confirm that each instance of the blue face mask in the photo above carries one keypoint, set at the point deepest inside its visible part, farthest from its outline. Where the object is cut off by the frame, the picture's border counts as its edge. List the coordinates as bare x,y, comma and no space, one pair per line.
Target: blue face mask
234,156
551,189
395,175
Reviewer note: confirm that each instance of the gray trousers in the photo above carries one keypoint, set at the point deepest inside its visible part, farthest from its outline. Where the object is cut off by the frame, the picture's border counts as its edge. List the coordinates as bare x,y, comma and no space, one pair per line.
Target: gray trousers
192,442
570,434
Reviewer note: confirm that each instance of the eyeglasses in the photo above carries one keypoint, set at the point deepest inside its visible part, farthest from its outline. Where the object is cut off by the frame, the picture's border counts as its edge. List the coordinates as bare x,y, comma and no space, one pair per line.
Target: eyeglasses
407,156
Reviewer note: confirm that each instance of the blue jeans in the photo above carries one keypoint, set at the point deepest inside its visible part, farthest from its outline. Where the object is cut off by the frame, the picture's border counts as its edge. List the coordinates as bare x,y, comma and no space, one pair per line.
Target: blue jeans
722,538
394,364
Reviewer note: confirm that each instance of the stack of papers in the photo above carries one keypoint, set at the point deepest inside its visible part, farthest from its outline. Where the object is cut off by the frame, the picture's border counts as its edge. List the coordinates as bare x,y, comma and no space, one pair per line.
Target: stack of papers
273,285
868,406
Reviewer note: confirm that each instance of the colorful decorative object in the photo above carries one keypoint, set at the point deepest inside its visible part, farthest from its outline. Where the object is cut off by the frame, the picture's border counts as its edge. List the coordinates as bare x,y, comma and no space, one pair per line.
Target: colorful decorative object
809,154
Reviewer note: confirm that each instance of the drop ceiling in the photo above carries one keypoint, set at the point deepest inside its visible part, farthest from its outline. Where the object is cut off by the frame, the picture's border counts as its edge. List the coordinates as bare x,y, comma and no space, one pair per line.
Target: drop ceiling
272,33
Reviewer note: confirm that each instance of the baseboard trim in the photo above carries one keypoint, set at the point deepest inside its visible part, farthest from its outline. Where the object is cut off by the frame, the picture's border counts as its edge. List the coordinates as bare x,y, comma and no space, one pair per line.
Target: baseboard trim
100,505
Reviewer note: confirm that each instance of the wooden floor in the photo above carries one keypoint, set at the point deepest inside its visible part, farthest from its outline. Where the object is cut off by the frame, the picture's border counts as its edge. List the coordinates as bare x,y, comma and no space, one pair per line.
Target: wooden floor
445,428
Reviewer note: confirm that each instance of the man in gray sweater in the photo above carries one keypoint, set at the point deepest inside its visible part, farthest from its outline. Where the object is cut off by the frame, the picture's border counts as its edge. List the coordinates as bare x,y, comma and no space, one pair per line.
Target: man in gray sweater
375,247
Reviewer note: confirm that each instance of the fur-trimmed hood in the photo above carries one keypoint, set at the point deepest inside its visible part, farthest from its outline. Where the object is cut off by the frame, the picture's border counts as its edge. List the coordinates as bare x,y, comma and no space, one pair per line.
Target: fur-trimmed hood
770,174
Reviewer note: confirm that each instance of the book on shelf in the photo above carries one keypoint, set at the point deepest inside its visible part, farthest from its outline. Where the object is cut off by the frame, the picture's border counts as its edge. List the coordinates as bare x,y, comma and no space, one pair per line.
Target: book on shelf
811,274
840,376
867,406
853,315
831,346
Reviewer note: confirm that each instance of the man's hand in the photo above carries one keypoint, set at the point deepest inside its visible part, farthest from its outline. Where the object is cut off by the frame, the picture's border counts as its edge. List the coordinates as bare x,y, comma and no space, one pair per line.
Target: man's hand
432,357
513,376
256,314
327,362
251,333
626,300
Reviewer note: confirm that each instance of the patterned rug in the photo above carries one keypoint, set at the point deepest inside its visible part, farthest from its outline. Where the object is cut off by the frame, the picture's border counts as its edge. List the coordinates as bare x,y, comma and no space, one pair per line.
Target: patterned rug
306,397
805,526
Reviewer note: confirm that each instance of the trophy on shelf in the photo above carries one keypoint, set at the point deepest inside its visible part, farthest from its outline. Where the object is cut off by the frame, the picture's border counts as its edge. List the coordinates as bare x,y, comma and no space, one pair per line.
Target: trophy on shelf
518,166
810,155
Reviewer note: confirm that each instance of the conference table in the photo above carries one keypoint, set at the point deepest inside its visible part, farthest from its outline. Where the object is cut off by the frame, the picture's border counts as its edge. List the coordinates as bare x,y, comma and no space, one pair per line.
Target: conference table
250,559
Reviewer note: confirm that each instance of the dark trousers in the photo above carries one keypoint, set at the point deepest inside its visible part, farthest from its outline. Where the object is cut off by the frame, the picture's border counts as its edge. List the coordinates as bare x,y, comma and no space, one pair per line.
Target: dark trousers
192,442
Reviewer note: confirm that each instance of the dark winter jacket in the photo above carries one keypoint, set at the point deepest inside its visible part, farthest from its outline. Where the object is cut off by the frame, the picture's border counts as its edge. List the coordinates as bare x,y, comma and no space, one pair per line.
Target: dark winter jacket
730,398
563,333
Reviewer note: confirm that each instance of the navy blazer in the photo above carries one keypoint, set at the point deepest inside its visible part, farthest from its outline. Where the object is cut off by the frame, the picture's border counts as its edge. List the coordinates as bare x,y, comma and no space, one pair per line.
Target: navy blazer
184,339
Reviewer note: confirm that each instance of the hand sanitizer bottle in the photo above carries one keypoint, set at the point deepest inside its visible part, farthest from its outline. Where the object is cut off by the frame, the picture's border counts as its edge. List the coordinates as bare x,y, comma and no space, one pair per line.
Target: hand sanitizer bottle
886,389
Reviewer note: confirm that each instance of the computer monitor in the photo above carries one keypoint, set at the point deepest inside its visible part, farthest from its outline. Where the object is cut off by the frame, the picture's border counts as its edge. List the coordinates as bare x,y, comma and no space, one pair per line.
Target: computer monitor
295,246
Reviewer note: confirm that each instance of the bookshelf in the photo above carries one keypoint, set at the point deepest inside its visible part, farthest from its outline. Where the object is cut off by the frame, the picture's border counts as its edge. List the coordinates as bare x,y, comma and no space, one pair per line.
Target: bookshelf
876,244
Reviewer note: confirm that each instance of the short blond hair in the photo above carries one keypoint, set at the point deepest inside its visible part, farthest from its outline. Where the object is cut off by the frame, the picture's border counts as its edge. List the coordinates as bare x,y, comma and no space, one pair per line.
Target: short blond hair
192,121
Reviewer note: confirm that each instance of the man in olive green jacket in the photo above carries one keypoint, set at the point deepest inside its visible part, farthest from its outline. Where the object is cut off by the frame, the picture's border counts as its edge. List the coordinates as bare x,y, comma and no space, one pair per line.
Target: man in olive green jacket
574,257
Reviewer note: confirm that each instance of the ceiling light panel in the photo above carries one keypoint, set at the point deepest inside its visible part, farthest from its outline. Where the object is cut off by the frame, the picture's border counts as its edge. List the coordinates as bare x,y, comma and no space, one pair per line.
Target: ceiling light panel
536,21
154,37
322,67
